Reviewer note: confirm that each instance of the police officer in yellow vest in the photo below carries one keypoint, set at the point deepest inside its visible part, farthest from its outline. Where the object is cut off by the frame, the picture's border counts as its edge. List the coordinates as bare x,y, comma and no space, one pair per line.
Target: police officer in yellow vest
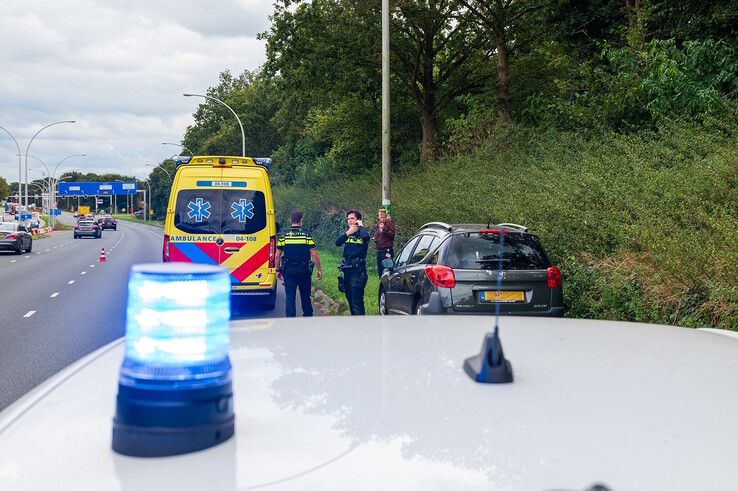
294,251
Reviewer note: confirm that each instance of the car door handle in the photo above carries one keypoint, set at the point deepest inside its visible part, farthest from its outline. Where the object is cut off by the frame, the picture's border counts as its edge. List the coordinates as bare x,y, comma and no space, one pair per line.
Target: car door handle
231,250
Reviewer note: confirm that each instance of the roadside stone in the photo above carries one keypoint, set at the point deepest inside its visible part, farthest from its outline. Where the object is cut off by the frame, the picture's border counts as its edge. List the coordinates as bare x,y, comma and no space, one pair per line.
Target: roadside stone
326,304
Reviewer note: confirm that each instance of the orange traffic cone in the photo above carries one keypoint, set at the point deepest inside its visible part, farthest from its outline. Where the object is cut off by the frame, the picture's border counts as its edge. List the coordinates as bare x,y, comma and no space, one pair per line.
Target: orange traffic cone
102,256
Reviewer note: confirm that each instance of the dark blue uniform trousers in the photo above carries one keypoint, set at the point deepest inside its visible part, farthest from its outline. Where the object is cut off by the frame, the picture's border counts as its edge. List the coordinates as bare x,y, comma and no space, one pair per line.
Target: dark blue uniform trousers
354,283
293,281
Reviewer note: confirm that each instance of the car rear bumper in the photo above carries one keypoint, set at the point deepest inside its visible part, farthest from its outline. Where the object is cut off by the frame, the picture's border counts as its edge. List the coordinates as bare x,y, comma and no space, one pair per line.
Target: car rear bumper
263,292
6,245
552,312
435,307
86,233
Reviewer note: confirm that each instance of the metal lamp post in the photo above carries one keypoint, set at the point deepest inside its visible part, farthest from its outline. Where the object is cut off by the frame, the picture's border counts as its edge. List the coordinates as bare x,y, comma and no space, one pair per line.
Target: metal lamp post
146,202
160,168
243,134
28,147
20,176
181,146
53,187
48,177
386,157
43,185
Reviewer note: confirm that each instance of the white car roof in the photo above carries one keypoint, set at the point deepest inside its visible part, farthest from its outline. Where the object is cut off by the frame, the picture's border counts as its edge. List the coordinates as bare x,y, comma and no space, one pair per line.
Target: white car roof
383,403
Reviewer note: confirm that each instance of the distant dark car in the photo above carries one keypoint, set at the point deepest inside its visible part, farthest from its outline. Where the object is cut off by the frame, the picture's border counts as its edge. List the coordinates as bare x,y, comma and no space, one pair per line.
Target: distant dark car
87,228
15,237
459,265
107,222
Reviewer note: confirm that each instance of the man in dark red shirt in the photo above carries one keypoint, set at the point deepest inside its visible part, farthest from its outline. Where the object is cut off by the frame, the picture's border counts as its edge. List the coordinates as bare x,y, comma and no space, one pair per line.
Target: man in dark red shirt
384,239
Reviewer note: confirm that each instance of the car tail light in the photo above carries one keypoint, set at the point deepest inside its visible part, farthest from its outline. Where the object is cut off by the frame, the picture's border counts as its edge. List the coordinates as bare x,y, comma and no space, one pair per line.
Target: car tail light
554,277
11,236
491,231
272,250
165,250
441,276
76,227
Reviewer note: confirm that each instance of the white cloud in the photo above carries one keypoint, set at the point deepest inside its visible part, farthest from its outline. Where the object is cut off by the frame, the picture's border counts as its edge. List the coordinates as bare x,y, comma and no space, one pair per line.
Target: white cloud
119,68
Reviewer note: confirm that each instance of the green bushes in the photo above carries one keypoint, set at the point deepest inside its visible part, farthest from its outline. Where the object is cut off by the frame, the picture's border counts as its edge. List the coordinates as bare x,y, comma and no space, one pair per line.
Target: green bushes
629,89
644,225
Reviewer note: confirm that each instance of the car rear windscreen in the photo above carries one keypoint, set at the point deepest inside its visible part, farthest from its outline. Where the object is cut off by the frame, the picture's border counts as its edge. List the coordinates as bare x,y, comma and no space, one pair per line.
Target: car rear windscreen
216,211
482,251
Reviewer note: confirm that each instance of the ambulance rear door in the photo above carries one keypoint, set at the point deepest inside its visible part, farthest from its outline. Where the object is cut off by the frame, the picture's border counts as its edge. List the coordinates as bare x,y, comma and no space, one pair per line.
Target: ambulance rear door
246,250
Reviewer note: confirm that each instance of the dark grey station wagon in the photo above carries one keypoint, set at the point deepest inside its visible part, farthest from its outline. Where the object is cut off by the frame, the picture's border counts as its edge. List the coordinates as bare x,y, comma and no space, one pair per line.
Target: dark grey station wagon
457,269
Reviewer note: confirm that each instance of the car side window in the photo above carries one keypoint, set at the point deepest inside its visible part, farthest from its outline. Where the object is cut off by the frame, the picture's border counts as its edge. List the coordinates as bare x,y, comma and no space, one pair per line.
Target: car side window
434,248
405,253
423,248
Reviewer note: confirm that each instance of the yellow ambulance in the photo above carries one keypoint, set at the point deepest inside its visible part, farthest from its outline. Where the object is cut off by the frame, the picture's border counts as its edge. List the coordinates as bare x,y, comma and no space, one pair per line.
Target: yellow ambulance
221,212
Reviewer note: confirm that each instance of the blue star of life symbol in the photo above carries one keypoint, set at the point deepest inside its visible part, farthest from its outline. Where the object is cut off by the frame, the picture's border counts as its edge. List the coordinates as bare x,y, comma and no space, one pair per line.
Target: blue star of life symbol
198,209
242,210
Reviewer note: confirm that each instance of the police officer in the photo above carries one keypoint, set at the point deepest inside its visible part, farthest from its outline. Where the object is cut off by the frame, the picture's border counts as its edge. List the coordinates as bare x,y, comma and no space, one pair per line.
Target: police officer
355,242
294,251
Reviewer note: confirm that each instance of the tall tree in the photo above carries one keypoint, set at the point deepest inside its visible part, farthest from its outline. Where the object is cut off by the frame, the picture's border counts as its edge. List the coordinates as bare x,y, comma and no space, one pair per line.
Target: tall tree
4,188
439,49
435,45
692,20
636,13
503,19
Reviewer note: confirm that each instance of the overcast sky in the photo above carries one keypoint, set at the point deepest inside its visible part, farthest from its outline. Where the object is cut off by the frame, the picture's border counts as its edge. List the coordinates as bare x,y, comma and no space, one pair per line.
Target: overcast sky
119,68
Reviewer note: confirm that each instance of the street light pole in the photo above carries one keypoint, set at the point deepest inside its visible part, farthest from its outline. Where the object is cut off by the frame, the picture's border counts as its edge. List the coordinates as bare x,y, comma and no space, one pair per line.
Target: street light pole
243,134
53,188
48,177
178,145
29,146
146,203
20,177
386,195
42,185
160,168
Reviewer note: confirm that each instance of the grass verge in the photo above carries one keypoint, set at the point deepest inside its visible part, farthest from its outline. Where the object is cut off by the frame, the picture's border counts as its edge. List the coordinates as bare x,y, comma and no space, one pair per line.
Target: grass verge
644,226
330,258
130,218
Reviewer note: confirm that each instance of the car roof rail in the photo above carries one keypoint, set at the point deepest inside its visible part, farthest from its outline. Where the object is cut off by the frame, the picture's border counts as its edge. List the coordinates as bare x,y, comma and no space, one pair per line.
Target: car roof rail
442,225
520,228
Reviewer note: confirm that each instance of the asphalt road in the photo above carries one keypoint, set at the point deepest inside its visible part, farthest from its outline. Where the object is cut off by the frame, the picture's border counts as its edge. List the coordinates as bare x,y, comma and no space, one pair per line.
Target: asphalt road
59,303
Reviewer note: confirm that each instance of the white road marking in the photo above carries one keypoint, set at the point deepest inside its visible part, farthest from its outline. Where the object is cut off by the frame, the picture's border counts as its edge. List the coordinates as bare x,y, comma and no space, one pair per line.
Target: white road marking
14,260
38,253
47,250
92,265
54,295
83,272
30,313
70,282
27,257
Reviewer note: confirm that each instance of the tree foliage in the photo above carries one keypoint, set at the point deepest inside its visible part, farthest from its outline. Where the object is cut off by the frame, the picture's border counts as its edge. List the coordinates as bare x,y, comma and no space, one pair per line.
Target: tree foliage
4,188
462,69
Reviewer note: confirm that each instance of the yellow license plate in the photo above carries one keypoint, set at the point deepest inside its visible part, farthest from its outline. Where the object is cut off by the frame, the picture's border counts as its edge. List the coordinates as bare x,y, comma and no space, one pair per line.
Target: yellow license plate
503,296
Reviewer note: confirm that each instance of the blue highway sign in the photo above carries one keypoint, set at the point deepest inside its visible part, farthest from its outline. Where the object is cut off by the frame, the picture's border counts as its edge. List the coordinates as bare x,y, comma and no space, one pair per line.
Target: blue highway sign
96,188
